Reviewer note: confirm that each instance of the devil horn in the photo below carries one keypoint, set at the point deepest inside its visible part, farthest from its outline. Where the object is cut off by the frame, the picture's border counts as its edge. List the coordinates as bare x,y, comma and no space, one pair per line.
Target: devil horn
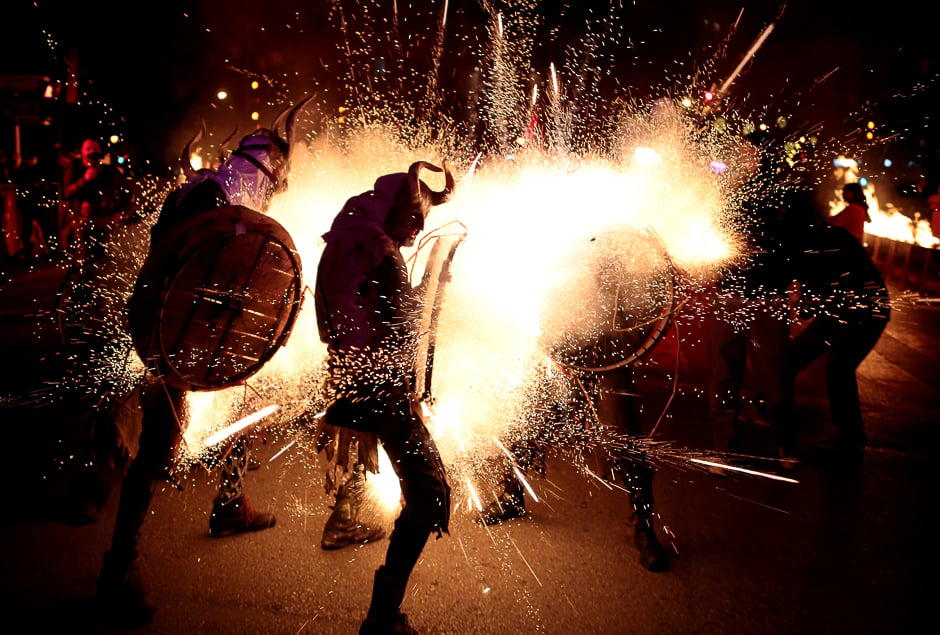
292,117
185,155
225,143
439,198
434,198
277,121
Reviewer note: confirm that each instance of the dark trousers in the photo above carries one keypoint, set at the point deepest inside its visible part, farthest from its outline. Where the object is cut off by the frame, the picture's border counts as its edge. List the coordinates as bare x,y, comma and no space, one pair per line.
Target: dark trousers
618,407
424,487
756,331
160,435
848,345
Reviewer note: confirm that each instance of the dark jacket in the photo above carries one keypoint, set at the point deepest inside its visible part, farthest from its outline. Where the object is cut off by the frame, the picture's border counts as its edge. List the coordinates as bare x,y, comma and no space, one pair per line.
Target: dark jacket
838,280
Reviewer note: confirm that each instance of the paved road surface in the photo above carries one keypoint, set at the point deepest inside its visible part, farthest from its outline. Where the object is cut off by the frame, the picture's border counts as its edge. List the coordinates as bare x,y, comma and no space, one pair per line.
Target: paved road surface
842,551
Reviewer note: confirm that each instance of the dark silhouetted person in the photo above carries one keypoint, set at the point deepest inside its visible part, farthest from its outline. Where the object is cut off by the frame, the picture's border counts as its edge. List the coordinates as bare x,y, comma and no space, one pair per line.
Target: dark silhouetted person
848,307
251,177
102,198
37,205
615,398
855,214
367,312
750,319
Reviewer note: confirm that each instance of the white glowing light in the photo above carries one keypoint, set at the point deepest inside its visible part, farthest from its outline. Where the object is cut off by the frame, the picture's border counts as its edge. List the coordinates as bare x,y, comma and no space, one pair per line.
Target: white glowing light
384,487
718,167
647,156
473,496
240,425
734,468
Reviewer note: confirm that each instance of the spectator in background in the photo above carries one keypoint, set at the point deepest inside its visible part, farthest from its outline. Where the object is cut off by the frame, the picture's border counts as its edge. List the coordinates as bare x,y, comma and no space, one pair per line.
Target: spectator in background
37,203
102,196
855,213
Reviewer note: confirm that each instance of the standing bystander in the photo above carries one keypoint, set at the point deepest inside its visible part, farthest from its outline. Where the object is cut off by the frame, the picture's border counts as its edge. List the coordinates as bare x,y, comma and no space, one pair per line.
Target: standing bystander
102,199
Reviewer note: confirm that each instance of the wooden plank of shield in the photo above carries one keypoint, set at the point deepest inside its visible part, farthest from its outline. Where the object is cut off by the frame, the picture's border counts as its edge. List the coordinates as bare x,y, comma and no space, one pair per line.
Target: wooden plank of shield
216,298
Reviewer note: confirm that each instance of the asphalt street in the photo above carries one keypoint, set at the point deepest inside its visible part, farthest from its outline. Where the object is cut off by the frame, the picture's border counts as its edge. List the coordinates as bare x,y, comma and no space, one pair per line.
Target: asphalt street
849,548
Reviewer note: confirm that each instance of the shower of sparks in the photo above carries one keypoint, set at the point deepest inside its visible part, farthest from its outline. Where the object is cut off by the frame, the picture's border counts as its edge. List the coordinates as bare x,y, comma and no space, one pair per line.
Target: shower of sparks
547,167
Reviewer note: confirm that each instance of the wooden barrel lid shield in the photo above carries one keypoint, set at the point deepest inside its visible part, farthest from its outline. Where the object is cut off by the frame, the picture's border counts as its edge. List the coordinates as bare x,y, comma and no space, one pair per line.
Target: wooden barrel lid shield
216,298
614,303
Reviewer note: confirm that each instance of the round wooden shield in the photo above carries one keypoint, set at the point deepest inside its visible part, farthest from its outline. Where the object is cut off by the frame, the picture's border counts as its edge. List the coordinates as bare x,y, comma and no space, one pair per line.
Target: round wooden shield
615,302
216,298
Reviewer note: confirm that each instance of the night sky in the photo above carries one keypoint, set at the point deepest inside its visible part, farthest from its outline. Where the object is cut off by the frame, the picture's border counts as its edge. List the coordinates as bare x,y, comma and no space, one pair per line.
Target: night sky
152,69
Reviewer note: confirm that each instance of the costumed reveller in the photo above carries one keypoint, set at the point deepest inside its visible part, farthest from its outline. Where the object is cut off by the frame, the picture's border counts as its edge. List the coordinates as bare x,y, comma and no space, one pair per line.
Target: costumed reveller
250,177
615,400
367,312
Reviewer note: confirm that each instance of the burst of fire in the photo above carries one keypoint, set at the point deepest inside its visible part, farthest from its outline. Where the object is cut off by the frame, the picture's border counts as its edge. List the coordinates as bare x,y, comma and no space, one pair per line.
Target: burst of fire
887,221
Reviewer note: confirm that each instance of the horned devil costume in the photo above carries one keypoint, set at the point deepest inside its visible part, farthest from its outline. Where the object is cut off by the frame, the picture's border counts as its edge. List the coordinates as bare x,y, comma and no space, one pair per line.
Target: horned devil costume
620,286
366,312
186,317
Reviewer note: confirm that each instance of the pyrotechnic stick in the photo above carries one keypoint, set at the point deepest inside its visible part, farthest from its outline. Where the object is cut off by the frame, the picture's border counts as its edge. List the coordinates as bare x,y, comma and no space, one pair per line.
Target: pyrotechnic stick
747,58
473,495
240,425
735,468
516,469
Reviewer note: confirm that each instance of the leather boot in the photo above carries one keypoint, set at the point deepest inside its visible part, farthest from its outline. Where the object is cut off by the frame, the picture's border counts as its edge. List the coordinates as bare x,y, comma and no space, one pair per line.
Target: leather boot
509,505
343,527
121,592
385,616
236,516
652,555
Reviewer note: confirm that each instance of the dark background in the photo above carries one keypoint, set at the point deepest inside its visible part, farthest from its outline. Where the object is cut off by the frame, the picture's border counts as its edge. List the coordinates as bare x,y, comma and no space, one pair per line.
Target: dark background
150,71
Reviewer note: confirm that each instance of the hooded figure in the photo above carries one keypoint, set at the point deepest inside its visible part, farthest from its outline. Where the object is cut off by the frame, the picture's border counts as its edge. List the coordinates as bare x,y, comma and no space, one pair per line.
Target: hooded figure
366,312
366,307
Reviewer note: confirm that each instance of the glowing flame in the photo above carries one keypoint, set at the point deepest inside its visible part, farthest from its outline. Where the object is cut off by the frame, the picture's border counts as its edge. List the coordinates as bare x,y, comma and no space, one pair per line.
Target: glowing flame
886,222
384,488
